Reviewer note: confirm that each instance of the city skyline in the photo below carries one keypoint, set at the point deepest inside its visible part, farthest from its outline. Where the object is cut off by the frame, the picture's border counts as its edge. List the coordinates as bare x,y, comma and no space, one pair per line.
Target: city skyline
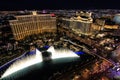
59,40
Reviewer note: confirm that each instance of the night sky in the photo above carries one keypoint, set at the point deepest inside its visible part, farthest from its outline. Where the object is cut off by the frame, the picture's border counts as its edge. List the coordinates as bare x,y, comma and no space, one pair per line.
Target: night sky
58,4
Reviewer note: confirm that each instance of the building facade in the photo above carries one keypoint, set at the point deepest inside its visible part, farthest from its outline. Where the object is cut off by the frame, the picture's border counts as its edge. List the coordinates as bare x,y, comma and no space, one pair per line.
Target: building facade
80,24
26,25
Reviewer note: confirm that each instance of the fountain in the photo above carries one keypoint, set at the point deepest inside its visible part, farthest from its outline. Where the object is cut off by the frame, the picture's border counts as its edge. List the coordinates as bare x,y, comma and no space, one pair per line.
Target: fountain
23,63
37,58
61,53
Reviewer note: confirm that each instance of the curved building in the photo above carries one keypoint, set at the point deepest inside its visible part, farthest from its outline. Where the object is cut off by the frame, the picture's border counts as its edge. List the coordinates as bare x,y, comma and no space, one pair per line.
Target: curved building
26,25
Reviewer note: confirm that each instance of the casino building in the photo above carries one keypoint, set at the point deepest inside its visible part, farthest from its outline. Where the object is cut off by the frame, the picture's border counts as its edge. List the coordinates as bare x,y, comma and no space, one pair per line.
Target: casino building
80,24
26,25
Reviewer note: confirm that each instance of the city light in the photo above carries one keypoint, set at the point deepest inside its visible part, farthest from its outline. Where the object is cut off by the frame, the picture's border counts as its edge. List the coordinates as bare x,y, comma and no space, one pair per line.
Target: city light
41,39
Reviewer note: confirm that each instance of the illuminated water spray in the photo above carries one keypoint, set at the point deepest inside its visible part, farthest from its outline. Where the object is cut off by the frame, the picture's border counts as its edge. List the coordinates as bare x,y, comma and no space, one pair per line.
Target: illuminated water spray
61,53
37,58
23,63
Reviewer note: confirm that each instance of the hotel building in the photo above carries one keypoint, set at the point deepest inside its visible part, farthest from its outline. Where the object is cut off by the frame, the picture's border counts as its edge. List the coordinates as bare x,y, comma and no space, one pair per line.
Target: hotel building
80,25
26,25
